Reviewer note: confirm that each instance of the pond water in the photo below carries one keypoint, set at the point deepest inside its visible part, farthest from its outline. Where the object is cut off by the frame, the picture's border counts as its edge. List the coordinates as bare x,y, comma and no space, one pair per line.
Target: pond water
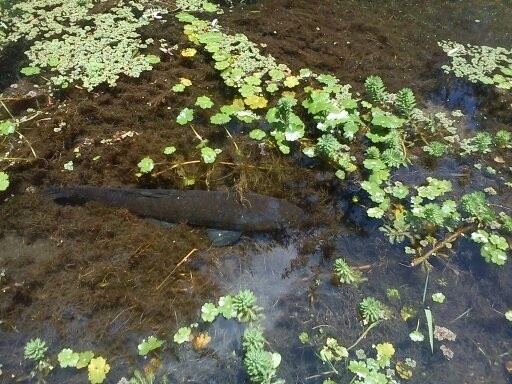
93,277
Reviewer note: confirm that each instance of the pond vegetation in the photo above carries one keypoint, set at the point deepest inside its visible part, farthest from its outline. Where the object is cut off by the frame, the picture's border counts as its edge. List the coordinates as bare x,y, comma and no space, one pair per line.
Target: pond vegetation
399,194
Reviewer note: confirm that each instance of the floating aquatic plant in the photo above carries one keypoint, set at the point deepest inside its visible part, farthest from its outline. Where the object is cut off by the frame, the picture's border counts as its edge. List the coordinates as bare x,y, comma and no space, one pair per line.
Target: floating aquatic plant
184,334
68,358
97,370
146,165
261,365
35,349
209,312
148,345
483,64
436,148
253,338
4,181
332,351
346,274
245,305
372,310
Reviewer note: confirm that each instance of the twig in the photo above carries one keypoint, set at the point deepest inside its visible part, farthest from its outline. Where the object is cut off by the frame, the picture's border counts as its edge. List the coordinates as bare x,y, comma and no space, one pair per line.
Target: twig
417,261
176,267
363,335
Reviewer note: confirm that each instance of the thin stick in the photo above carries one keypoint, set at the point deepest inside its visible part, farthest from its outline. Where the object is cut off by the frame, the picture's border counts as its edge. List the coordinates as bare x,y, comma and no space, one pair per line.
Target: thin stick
442,244
176,267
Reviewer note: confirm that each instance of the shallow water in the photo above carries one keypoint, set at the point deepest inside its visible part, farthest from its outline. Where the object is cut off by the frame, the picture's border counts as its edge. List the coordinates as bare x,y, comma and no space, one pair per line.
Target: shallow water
93,277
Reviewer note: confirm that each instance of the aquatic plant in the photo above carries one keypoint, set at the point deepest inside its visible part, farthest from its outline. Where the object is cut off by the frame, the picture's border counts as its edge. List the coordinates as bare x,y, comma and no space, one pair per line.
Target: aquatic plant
405,102
68,358
240,62
76,46
332,351
493,248
435,148
35,349
197,6
146,165
141,378
184,334
483,64
4,181
375,89
503,139
185,116
438,297
97,370
245,305
345,274
475,204
261,366
288,127
148,345
209,312
253,338
374,370
372,310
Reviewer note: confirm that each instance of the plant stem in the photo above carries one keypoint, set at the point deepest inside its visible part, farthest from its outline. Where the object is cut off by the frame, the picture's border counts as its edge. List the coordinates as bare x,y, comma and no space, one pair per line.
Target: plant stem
417,261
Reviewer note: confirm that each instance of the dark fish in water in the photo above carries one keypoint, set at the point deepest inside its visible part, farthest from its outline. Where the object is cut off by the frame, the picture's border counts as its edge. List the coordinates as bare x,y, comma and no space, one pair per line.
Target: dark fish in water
210,209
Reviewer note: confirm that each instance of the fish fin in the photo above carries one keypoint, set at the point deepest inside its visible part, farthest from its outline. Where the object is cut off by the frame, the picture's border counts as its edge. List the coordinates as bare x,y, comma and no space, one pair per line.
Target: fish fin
222,238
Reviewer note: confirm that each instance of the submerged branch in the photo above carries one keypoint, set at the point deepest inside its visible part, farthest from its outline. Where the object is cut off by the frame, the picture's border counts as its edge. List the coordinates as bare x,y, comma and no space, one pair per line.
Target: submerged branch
440,245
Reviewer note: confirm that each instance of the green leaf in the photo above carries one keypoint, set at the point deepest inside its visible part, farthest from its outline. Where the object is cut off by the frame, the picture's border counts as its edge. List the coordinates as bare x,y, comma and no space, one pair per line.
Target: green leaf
416,336
272,87
98,369
178,88
69,166
209,154
386,120
276,74
438,297
375,212
220,118
84,358
304,337
226,307
67,358
152,59
149,345
146,165
185,116
183,335
430,326
169,150
209,312
257,134
4,181
204,102
29,71
291,82
53,61
7,127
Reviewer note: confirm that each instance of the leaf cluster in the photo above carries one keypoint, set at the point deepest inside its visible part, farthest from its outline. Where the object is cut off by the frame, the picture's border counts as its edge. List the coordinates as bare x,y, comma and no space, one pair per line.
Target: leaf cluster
483,64
77,46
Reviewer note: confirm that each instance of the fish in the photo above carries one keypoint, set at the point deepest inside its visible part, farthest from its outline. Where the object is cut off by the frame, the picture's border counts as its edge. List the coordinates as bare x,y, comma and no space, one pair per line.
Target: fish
221,210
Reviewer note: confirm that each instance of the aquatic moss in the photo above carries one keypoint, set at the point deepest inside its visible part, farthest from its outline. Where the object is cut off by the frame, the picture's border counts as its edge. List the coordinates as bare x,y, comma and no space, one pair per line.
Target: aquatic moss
479,63
78,46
